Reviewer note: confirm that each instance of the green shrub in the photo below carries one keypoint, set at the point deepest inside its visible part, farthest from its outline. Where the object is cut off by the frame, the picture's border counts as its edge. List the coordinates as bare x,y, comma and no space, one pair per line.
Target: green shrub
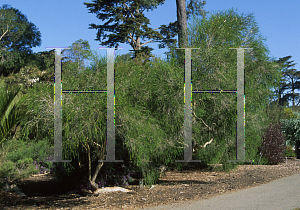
39,152
273,144
8,169
20,170
26,158
35,150
17,150
25,173
25,168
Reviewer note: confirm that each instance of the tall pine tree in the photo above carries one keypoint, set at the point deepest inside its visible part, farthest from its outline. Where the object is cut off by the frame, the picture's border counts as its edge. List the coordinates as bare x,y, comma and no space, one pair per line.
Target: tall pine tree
291,75
130,24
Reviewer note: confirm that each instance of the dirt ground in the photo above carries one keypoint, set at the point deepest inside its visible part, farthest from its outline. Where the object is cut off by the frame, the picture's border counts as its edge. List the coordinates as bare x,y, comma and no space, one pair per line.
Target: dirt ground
44,192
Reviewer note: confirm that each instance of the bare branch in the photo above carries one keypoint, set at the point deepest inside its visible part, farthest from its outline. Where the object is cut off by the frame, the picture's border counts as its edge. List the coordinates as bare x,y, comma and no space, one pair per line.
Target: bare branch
128,10
146,43
4,32
157,28
206,143
132,39
96,143
84,146
200,118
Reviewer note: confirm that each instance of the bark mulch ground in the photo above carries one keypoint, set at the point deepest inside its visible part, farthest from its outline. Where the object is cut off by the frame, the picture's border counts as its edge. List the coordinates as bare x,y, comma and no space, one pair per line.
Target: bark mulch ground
44,192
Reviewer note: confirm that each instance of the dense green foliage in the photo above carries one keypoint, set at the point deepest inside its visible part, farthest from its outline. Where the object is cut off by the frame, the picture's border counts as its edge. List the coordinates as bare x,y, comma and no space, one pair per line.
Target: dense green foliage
24,159
10,114
216,70
291,129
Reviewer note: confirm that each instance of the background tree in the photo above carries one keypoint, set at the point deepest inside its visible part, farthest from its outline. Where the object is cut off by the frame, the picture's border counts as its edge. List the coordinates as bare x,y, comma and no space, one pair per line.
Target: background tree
279,101
39,69
79,51
292,76
196,8
182,23
18,35
277,109
182,27
134,23
123,57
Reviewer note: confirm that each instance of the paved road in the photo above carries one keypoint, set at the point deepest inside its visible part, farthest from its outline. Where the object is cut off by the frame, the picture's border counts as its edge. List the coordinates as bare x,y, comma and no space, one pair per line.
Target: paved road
281,194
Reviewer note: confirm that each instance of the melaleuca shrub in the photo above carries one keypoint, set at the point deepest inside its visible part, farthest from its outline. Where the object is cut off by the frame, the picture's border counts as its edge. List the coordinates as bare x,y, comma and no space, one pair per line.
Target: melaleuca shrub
273,144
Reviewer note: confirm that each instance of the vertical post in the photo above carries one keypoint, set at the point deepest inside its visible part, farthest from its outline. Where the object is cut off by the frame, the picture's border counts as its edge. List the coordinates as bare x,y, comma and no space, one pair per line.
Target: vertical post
188,150
58,107
297,149
240,152
240,142
188,107
110,147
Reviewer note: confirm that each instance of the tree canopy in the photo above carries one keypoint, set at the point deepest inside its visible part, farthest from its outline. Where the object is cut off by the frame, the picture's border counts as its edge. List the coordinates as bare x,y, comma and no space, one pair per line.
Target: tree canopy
129,22
79,51
18,36
134,23
289,81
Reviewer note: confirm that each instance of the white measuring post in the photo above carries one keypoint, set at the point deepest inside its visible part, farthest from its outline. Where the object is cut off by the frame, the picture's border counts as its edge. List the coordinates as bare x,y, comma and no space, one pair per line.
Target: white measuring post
240,141
110,147
58,106
188,150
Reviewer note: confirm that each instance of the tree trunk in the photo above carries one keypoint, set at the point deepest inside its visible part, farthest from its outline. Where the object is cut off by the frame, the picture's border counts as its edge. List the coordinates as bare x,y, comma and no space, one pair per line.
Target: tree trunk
182,27
92,180
182,23
94,186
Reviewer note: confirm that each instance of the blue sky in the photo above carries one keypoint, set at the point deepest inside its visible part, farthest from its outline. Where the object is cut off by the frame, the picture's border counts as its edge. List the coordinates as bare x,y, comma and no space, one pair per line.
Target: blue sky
62,22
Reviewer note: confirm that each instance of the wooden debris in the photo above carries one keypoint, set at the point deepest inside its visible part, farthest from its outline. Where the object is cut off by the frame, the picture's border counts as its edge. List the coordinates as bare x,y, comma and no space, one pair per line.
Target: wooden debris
111,189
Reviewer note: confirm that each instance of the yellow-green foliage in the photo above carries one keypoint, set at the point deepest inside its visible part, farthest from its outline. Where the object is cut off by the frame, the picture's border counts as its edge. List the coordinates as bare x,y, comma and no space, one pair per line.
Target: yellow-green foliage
289,113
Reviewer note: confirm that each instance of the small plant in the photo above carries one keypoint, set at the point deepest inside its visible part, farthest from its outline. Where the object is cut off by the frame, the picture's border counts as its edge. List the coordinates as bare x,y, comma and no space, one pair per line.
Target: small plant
8,169
44,165
20,170
25,168
273,144
289,152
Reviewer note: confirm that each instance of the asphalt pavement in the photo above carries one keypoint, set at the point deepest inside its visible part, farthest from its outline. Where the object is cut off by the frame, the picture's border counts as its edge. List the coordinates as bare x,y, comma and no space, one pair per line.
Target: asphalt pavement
281,194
